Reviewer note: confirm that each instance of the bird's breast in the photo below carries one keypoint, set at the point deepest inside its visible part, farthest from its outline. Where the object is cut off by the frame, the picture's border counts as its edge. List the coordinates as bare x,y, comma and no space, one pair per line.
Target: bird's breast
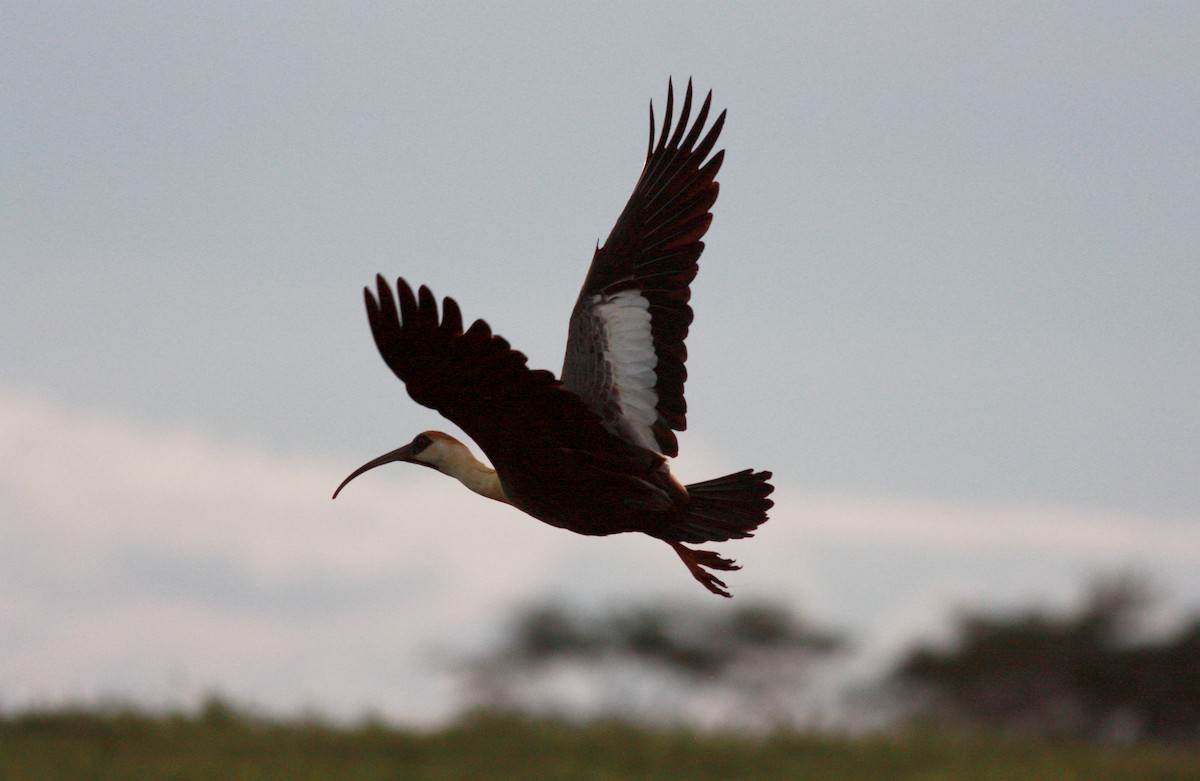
588,499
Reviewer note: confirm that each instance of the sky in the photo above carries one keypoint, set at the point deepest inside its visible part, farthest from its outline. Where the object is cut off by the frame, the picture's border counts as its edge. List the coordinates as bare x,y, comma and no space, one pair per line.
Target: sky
951,298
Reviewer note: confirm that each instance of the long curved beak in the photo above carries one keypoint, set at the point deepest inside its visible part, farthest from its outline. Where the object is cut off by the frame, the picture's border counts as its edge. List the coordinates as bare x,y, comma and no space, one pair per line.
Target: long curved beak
400,454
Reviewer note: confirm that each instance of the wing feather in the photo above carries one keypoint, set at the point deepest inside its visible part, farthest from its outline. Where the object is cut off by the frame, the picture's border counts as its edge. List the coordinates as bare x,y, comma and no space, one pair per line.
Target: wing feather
651,254
475,379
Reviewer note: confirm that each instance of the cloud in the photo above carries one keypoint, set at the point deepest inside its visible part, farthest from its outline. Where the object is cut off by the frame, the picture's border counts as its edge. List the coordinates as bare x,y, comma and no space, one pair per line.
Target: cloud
156,565
132,553
962,528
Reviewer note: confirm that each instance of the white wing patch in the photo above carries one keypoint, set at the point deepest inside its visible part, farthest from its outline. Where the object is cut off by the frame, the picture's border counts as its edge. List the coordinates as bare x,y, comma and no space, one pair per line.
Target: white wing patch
629,352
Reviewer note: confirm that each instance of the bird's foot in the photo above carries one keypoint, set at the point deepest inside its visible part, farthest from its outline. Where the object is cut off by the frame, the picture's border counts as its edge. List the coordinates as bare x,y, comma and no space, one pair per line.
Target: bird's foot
697,560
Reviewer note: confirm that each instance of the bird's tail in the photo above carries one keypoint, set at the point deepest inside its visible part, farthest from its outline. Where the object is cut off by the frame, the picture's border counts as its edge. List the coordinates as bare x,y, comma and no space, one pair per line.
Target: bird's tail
724,508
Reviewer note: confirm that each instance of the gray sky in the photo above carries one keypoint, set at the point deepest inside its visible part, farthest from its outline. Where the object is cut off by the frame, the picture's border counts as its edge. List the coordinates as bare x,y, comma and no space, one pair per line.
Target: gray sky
951,296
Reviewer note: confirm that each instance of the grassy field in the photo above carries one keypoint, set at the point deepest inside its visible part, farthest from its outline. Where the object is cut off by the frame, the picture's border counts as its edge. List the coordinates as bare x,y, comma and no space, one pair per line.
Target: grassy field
220,744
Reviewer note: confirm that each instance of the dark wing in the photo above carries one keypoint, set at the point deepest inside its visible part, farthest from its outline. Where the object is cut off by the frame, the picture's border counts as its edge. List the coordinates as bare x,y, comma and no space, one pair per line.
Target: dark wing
625,347
475,379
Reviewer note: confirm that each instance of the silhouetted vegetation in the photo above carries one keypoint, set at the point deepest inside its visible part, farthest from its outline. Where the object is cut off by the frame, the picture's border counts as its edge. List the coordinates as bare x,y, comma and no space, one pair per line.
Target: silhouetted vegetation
1093,672
126,745
652,662
1089,674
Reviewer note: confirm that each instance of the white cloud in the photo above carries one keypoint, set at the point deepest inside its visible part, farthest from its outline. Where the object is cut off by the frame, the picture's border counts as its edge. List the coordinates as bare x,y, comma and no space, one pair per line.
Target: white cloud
132,554
961,528
158,564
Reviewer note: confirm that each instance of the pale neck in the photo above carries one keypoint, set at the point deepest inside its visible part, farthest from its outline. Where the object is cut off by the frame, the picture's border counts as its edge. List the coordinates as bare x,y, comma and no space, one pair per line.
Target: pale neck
474,474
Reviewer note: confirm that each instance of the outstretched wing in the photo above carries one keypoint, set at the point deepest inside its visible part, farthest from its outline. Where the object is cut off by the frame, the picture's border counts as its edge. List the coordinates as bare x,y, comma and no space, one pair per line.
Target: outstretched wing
625,347
475,379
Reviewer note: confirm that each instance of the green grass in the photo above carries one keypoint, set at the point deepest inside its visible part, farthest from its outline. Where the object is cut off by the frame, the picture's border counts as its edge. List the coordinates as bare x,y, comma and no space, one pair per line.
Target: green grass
222,744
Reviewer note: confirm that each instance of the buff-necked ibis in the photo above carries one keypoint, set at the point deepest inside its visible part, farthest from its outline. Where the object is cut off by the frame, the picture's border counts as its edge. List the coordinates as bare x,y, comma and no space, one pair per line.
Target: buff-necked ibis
587,452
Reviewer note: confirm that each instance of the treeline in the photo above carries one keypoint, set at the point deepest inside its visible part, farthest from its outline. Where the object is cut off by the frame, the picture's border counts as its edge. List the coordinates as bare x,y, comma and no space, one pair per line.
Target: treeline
1095,672
1092,672
652,663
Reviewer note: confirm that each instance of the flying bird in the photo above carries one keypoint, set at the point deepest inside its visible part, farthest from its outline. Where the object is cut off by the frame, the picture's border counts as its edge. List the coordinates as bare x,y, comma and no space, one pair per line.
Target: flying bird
587,452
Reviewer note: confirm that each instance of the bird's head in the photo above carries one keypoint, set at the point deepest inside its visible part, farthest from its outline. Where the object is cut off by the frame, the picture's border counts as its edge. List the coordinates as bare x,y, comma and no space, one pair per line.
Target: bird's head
433,449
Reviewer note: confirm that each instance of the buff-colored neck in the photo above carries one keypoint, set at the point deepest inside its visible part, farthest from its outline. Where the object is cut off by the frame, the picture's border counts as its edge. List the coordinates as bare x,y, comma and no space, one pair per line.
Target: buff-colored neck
458,462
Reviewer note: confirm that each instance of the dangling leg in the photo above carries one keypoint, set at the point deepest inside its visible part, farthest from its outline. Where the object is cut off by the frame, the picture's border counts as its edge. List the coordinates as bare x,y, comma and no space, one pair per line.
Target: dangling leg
696,560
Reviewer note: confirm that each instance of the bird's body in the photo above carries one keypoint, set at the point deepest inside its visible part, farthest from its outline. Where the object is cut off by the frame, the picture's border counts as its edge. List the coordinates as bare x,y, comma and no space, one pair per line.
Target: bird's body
588,452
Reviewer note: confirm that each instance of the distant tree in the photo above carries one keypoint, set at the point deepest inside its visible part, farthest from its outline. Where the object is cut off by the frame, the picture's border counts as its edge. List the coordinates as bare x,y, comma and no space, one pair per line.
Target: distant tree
652,662
1087,674
1163,685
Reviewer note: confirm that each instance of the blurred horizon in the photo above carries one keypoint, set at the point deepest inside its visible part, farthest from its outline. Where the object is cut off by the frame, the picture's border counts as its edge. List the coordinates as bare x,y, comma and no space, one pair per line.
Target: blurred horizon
132,580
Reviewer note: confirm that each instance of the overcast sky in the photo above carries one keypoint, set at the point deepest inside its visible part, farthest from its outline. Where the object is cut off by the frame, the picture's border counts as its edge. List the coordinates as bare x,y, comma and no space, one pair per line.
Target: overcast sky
951,297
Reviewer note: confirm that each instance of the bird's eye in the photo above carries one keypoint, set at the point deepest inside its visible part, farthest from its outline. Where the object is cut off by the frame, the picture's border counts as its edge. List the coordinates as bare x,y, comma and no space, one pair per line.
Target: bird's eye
421,442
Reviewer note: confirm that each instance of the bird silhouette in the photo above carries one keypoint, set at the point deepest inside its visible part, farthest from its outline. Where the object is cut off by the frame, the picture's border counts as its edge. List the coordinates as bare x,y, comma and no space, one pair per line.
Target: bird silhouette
587,452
